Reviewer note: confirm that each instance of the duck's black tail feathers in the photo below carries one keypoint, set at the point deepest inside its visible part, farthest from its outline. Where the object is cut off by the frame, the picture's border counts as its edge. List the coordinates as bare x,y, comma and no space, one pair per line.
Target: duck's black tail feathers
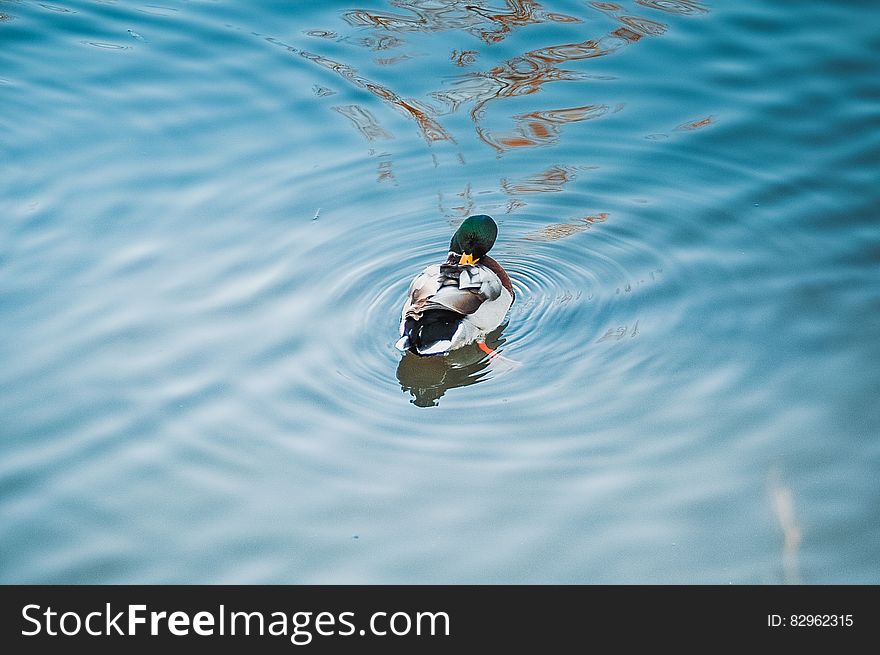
432,334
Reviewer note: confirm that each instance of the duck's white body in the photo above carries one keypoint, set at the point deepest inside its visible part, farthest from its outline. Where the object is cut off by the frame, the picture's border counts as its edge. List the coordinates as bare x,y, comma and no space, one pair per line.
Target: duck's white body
476,292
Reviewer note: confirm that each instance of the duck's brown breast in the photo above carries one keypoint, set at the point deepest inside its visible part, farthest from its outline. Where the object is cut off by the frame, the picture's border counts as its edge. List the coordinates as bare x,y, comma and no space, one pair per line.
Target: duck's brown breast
496,268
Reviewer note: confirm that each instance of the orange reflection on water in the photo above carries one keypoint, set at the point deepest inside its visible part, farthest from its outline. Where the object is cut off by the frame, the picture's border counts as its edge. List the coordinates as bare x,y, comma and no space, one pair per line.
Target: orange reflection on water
542,127
527,73
474,16
595,218
519,76
626,34
550,180
522,12
695,125
463,58
557,231
431,129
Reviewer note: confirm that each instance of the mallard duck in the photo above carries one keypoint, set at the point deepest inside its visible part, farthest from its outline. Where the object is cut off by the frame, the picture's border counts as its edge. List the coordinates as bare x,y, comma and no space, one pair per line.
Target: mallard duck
456,303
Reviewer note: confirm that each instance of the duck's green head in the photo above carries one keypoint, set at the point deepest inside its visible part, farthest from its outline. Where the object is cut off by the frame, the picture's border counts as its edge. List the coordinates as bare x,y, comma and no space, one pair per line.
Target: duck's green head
474,238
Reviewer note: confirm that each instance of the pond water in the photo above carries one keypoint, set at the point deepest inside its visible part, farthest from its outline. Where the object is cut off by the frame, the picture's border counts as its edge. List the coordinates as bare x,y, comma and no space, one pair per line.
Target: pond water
210,215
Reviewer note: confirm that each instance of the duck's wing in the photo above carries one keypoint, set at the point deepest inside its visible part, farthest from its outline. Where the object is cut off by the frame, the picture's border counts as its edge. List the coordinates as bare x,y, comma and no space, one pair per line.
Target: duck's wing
461,289
421,289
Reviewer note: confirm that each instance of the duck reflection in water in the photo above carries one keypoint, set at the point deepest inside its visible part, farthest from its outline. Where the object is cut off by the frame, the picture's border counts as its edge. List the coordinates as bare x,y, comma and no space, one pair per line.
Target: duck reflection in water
428,378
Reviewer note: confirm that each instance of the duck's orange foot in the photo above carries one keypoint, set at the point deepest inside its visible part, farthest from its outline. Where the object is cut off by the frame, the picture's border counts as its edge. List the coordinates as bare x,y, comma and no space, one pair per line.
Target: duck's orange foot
496,356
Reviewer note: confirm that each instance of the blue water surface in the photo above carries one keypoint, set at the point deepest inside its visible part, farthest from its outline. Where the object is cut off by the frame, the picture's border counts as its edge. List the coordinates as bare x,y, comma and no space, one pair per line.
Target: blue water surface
209,216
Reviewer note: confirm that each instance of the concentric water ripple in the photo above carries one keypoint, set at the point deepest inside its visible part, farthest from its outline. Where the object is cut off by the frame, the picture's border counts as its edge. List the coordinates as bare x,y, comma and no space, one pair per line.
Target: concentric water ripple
567,293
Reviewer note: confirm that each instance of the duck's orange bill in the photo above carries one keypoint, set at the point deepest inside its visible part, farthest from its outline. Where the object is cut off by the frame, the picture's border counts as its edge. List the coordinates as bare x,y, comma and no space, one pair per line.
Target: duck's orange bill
467,259
486,349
